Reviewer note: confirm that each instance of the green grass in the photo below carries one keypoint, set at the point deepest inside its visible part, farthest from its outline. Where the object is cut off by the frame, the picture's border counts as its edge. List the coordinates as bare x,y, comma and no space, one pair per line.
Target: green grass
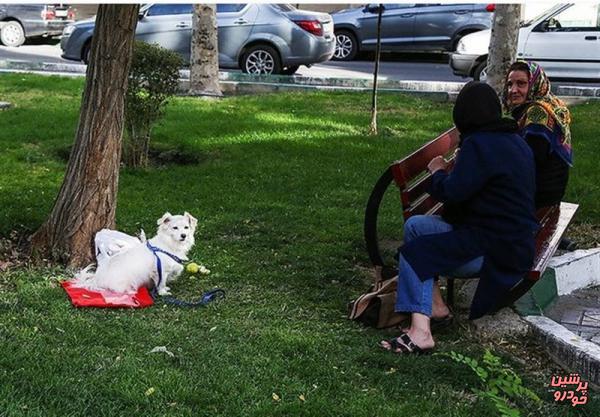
279,190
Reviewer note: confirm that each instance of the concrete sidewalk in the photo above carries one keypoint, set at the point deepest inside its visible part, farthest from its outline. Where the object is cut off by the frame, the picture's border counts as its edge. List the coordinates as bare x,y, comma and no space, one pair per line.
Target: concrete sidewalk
563,311
240,83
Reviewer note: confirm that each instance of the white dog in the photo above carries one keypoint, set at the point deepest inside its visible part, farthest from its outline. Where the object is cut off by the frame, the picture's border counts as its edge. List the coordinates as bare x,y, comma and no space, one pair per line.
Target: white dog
126,263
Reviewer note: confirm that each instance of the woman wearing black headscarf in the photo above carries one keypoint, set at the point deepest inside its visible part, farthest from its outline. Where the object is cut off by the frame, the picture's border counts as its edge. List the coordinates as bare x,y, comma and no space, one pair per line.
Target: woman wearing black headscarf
493,183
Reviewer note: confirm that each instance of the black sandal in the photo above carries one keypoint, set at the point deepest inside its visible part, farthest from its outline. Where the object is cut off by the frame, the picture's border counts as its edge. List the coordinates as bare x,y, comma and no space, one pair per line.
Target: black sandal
403,345
441,323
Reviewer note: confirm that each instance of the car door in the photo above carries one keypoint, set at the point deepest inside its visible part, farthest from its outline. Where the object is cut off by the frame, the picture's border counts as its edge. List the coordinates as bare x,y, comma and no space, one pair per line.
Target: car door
30,16
235,22
397,24
567,44
169,26
436,24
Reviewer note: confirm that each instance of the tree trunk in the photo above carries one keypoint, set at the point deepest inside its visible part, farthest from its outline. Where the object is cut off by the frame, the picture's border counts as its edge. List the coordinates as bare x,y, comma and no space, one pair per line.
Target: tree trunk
503,43
204,57
87,199
373,127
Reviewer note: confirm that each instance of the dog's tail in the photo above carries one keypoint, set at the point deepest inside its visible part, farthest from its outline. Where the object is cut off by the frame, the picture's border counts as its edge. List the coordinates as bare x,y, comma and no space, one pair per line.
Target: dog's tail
85,277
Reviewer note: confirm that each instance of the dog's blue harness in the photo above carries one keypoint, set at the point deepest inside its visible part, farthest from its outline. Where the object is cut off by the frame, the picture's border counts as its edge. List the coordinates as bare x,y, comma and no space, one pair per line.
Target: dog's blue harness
206,298
155,251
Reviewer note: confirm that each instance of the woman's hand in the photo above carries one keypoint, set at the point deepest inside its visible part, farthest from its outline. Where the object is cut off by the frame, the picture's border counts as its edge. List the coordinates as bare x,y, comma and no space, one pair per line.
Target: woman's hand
436,164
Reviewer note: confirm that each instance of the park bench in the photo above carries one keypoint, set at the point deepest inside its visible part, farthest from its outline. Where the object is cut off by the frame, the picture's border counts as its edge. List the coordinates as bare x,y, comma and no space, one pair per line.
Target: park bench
412,179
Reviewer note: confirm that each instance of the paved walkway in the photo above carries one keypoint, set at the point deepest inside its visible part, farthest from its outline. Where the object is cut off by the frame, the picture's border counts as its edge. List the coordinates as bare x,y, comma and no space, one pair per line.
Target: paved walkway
579,312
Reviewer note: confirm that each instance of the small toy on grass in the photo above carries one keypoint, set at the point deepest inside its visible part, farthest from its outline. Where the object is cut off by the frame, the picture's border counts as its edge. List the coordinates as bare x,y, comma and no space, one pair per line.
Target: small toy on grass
194,268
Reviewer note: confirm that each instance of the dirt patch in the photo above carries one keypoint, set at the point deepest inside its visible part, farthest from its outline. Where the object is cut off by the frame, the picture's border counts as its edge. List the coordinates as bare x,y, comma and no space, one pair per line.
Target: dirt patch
585,235
13,251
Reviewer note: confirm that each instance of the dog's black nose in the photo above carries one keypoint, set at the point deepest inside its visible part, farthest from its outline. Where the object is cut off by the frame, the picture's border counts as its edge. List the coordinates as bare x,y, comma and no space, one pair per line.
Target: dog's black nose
183,235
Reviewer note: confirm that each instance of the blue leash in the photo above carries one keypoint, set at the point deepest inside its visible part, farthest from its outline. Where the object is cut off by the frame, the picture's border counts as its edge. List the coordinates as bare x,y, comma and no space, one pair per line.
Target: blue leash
206,298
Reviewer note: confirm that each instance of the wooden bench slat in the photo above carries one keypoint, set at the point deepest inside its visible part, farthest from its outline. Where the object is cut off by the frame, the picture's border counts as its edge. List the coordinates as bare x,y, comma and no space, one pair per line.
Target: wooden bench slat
553,224
415,190
436,210
408,168
422,206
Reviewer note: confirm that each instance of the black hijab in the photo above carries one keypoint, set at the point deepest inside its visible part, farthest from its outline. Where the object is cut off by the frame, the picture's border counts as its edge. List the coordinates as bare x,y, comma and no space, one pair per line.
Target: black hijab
478,109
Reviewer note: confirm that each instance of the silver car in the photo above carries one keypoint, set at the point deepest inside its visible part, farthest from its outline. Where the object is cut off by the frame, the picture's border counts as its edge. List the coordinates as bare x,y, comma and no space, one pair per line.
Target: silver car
258,38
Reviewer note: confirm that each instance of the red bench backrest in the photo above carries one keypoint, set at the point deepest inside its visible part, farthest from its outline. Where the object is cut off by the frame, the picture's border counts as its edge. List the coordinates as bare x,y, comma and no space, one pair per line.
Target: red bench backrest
412,178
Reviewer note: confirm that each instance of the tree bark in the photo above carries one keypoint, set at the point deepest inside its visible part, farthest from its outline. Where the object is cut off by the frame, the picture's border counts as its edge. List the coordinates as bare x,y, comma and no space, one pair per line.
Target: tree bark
204,56
503,43
373,126
87,199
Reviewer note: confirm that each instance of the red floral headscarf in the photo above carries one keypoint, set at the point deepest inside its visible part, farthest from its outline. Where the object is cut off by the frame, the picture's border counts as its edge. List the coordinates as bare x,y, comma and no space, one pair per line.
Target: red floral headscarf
542,107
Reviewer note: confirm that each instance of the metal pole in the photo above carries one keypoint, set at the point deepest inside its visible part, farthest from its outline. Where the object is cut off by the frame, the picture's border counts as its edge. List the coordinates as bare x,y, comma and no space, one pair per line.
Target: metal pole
373,129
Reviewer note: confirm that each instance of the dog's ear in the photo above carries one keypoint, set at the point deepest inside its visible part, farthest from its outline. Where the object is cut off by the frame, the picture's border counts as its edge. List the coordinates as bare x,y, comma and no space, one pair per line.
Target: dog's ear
164,219
192,219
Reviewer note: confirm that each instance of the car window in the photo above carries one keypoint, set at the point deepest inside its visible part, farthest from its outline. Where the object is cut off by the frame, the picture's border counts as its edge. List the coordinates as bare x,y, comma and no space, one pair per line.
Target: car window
398,6
529,22
577,18
230,8
169,9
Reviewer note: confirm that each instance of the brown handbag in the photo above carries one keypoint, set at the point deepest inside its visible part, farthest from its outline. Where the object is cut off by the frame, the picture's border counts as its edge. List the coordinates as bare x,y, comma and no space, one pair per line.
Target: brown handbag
376,307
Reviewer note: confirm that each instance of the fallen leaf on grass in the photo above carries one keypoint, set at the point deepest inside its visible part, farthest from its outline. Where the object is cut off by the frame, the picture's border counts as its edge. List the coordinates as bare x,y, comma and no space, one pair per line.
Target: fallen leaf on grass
150,391
162,349
301,397
4,265
276,397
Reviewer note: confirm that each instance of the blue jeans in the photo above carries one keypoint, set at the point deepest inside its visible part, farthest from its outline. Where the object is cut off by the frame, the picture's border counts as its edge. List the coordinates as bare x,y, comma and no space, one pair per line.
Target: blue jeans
414,295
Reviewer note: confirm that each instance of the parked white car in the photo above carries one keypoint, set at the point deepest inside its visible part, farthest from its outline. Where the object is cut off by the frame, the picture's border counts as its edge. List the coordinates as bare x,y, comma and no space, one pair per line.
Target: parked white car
564,40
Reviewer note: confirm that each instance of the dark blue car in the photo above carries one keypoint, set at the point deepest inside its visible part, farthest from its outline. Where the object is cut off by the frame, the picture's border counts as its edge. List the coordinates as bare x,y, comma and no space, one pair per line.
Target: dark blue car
406,27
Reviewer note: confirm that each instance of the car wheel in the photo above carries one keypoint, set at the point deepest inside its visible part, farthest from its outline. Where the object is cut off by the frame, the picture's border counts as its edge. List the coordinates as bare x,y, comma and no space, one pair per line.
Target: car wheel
290,70
85,53
480,73
346,46
261,60
12,34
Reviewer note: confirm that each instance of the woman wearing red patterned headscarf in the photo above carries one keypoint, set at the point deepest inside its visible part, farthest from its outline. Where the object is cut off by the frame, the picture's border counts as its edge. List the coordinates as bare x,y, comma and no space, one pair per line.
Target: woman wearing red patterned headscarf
544,122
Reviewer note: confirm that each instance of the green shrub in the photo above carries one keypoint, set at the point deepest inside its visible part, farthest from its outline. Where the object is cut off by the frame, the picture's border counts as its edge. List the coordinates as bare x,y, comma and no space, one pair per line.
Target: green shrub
501,385
153,79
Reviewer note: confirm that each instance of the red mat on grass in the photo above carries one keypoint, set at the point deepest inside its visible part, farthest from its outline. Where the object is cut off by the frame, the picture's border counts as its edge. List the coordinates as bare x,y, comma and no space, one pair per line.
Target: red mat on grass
80,297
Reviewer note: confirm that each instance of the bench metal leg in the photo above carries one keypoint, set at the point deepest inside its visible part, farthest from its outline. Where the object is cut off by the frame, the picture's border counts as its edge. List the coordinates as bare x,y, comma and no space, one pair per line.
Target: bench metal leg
516,292
450,292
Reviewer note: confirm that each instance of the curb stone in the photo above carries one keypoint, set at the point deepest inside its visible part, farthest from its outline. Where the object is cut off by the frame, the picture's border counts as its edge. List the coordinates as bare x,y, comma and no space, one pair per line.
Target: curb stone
240,83
575,270
567,349
565,273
